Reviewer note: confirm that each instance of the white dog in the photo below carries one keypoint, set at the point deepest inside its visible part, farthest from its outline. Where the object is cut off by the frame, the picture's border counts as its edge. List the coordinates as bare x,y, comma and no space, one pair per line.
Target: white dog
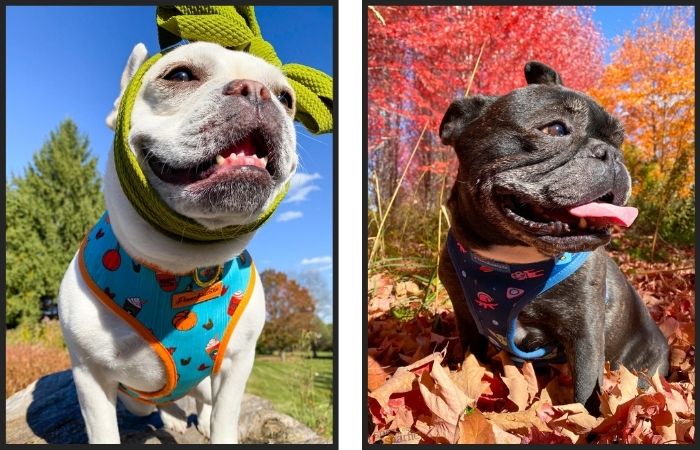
212,130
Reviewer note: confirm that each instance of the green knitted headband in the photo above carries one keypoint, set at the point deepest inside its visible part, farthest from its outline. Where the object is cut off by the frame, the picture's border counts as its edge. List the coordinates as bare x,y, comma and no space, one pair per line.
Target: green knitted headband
232,27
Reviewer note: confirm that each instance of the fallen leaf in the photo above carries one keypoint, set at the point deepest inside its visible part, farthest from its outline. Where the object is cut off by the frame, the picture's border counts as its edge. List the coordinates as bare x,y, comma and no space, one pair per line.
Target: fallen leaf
558,394
475,429
406,288
619,386
503,437
444,400
423,364
684,430
469,379
571,420
403,418
379,285
675,401
637,420
402,381
518,422
536,436
529,374
376,375
518,388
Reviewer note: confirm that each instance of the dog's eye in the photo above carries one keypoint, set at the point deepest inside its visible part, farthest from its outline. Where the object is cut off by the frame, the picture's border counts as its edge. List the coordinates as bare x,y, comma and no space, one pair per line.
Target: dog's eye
180,74
555,129
286,99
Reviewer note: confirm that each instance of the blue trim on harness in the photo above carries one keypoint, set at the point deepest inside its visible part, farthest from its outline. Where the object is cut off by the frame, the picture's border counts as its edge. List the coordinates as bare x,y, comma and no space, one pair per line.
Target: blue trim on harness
494,290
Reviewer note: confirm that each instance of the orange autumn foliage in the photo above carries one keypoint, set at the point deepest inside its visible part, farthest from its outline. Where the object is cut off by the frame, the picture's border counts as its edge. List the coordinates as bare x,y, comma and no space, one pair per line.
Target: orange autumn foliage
650,86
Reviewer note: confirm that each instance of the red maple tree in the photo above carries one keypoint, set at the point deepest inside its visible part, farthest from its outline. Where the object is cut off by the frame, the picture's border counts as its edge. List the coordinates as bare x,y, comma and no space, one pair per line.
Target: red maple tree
421,57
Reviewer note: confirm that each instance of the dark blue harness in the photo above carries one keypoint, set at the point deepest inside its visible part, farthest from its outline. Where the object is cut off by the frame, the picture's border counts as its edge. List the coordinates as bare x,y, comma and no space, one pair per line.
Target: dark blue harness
496,292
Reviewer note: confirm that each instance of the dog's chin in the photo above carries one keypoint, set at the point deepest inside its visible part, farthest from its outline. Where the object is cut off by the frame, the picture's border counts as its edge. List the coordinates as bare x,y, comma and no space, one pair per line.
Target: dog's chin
231,195
551,230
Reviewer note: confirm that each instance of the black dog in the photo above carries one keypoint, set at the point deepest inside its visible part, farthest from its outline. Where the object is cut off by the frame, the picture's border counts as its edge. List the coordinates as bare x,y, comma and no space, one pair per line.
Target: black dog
541,182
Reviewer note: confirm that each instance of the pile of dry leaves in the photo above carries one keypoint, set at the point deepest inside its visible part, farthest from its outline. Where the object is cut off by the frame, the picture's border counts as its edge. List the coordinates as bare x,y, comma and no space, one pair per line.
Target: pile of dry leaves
421,391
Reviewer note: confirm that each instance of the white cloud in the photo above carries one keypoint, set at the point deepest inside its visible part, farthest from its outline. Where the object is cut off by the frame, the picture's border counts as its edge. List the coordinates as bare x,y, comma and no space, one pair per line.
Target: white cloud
289,215
302,185
318,260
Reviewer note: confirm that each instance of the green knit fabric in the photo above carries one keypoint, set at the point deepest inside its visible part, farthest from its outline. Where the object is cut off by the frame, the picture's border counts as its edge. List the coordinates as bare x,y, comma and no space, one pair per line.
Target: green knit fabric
235,27
232,27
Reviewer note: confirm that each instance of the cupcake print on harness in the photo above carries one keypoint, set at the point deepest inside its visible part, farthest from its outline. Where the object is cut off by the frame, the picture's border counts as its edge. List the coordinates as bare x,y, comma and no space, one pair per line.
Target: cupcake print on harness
496,292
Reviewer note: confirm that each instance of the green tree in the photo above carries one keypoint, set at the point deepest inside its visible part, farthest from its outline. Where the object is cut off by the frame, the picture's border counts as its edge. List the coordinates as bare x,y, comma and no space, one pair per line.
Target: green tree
49,209
290,313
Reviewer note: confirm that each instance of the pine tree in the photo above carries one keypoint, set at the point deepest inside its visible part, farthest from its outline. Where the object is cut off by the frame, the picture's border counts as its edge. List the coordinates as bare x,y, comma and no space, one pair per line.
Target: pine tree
49,210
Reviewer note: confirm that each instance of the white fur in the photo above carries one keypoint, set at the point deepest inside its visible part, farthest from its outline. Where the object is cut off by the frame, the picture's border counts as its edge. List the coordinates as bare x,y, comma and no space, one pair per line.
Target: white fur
173,121
106,351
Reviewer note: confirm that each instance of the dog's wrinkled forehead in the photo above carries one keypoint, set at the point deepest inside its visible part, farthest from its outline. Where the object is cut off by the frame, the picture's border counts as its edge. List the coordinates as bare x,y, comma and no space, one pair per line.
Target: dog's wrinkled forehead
212,67
534,106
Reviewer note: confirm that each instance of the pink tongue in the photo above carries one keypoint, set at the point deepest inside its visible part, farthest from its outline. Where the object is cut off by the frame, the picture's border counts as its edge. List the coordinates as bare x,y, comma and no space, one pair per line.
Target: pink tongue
617,215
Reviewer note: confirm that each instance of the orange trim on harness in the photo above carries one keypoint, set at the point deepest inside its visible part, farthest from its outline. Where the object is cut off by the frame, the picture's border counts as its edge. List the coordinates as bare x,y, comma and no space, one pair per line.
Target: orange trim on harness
234,319
155,344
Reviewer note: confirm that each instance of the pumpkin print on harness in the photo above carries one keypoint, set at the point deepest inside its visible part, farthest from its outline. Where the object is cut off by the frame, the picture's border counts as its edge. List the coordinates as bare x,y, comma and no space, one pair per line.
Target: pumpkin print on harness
185,320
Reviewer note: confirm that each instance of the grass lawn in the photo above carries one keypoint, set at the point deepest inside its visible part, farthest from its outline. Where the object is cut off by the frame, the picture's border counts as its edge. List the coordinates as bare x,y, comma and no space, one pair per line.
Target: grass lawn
300,387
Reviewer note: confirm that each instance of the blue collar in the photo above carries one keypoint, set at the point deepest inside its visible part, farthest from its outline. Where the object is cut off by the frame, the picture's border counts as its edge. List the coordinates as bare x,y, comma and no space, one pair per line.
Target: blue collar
496,292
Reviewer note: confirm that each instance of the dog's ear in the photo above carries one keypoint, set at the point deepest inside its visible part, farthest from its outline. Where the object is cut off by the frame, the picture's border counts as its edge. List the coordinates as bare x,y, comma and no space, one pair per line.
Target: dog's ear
539,73
138,55
460,113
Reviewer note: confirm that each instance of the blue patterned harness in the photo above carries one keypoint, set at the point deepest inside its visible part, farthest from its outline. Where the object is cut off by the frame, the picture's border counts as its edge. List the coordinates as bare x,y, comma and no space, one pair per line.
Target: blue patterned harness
496,292
187,319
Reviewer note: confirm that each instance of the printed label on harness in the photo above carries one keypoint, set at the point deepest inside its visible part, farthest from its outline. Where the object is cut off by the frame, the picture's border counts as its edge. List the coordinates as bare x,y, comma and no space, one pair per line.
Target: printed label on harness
194,297
489,264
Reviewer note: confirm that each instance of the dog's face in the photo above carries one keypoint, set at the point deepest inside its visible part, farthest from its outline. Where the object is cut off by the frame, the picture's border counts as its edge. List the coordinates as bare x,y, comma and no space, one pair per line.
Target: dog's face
528,159
213,132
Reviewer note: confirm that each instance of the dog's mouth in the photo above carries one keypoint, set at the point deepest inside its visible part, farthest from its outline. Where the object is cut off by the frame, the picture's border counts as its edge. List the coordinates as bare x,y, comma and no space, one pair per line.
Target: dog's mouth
594,218
250,153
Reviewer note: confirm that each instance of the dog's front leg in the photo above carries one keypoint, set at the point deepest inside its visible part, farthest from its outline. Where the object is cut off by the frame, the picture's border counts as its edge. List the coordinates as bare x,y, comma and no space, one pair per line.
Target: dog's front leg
470,338
97,395
587,358
227,391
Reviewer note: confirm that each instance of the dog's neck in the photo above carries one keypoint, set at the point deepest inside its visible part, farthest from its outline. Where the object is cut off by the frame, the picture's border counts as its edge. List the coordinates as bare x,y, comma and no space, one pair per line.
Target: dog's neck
144,243
520,254
465,229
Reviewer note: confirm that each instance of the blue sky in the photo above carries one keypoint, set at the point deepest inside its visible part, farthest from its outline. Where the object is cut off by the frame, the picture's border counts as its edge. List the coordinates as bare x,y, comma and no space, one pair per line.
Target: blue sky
65,62
616,20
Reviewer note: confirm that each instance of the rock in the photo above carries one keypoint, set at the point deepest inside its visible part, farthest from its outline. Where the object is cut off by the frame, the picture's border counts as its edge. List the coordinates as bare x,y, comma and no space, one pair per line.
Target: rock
47,411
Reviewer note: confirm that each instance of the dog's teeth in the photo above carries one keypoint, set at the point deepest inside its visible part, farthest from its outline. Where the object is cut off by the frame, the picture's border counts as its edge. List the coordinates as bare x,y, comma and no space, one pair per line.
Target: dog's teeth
556,226
582,223
220,159
264,160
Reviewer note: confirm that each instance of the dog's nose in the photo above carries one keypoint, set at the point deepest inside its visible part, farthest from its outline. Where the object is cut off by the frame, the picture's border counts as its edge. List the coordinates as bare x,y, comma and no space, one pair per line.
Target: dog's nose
253,90
600,151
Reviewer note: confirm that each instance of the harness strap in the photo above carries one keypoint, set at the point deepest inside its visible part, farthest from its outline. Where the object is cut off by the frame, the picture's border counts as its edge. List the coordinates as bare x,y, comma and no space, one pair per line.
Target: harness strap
555,270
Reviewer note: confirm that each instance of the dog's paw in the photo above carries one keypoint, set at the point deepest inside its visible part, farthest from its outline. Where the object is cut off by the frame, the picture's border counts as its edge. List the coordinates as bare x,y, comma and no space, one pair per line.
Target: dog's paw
203,420
172,422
